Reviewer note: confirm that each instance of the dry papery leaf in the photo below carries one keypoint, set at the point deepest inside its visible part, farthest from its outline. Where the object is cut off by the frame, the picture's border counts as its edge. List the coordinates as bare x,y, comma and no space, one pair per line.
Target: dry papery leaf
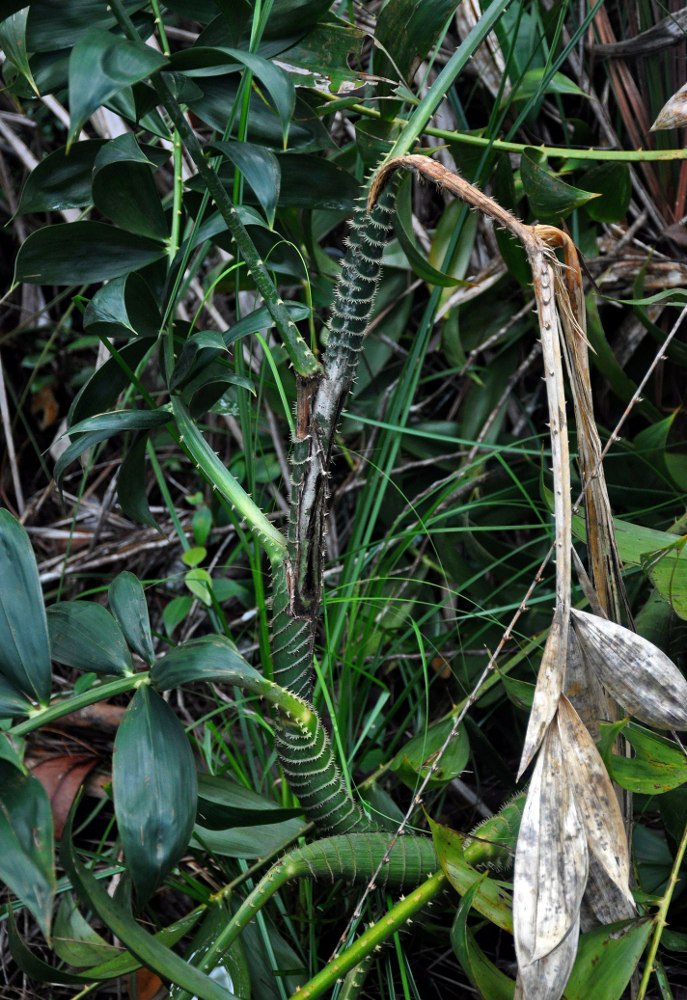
548,689
596,800
550,859
673,114
636,673
546,978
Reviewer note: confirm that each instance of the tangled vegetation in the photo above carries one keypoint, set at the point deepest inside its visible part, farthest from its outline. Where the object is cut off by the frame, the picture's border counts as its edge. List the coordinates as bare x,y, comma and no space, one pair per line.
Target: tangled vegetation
304,563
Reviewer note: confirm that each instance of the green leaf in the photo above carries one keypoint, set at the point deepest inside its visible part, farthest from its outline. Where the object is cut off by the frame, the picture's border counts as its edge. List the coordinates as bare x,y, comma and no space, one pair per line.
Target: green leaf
12,750
210,658
84,635
155,789
75,941
104,386
13,44
100,65
223,804
490,899
26,842
260,168
606,958
276,81
612,181
61,180
407,29
82,253
231,969
548,195
131,483
128,602
658,764
412,761
122,307
490,982
199,582
24,646
124,189
417,261
95,429
531,85
12,702
149,950
255,841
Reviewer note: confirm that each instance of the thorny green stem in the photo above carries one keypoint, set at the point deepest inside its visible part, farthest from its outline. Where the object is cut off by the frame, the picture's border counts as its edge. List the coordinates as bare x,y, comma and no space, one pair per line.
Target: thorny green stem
660,918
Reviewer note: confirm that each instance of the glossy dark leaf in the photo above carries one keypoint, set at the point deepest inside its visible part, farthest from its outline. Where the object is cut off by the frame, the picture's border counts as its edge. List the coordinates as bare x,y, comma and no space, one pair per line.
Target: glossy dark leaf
549,196
26,843
80,253
150,950
407,29
612,181
128,603
13,44
210,658
76,942
24,646
122,307
12,702
124,189
223,804
107,382
131,483
84,635
61,180
100,65
155,789
260,168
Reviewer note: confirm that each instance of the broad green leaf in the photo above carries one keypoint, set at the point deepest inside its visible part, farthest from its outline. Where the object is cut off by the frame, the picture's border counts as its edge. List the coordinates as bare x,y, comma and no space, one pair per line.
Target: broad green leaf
81,253
131,483
248,842
261,170
531,85
122,307
61,180
155,789
412,761
55,26
491,899
606,958
276,81
128,603
329,186
489,981
210,658
199,582
124,189
149,950
104,386
658,764
76,942
12,750
24,645
407,30
100,65
33,966
27,866
95,429
223,804
13,44
84,635
417,261
12,702
612,181
548,195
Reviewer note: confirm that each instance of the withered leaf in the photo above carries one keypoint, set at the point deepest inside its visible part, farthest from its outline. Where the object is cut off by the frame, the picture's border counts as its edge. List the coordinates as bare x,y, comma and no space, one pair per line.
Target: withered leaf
548,690
603,902
596,799
550,858
636,673
673,114
546,978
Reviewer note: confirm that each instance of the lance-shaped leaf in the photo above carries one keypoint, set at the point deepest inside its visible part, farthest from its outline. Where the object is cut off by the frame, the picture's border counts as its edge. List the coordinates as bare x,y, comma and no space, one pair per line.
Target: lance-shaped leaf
636,673
155,789
128,603
550,858
24,646
548,690
85,636
603,902
597,801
